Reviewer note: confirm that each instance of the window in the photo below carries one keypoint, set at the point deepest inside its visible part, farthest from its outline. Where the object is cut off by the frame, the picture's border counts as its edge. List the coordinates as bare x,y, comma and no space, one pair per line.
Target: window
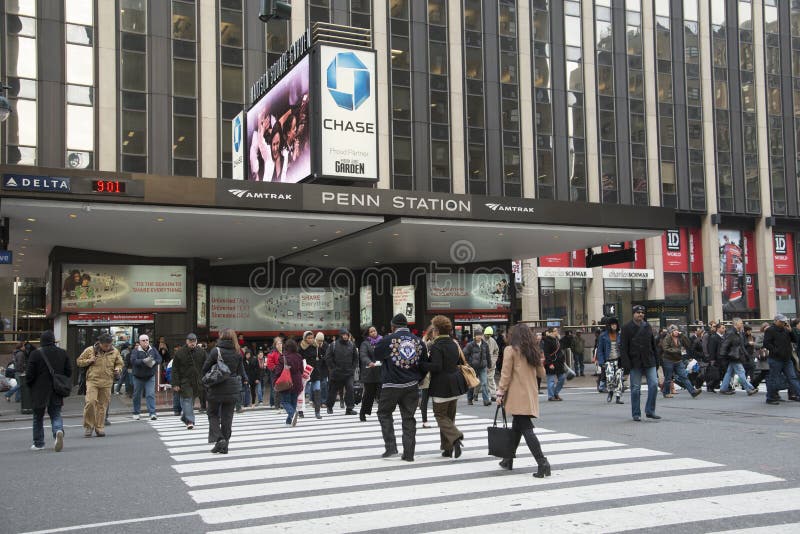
400,62
133,85
438,88
184,88
79,75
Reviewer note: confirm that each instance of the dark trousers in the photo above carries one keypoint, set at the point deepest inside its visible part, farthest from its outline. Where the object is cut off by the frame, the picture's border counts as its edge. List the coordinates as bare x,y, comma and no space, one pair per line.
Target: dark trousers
220,420
335,385
445,414
407,399
423,404
522,425
201,394
371,392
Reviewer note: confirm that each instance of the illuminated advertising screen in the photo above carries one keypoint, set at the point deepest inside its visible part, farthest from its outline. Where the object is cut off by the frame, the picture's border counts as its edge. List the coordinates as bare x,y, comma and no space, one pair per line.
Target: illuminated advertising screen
278,146
365,307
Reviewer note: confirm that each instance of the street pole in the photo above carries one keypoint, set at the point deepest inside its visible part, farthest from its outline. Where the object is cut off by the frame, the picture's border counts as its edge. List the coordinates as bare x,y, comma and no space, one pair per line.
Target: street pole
691,279
16,308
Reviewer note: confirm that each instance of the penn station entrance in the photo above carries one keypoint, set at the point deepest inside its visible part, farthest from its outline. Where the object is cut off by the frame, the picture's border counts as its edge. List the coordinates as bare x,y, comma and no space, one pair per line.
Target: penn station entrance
171,255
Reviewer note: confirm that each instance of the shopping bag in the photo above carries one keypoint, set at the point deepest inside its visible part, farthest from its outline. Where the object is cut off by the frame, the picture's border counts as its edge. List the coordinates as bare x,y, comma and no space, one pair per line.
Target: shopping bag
284,381
470,377
502,440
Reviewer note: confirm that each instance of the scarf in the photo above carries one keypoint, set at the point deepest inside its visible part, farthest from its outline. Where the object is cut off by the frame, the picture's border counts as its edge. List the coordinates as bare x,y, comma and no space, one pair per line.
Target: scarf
374,341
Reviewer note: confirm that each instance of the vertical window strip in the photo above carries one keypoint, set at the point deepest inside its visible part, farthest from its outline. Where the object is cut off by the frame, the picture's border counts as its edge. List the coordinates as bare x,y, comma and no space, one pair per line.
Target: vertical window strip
439,90
665,99
231,74
20,47
775,123
543,101
401,94
184,88
794,22
752,189
636,111
694,105
475,101
133,85
79,74
509,98
722,115
576,118
606,106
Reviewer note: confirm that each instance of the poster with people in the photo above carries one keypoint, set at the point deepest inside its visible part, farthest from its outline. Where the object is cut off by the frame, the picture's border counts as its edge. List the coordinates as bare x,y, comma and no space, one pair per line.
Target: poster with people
278,134
731,266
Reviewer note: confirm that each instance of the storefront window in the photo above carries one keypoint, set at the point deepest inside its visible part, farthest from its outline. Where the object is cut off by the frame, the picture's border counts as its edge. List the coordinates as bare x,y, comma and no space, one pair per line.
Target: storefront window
786,295
624,293
563,298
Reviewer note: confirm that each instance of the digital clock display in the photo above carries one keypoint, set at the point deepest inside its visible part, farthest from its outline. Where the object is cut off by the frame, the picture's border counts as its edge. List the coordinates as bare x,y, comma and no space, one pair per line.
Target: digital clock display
110,187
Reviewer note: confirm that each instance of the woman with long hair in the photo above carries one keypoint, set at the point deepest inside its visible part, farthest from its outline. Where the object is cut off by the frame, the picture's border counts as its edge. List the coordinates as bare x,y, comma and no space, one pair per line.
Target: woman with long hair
221,398
370,372
446,385
519,394
291,359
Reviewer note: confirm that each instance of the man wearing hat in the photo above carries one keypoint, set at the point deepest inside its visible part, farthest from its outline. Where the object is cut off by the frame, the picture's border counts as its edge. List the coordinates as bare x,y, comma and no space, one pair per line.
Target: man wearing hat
103,365
638,357
342,360
778,341
403,358
186,366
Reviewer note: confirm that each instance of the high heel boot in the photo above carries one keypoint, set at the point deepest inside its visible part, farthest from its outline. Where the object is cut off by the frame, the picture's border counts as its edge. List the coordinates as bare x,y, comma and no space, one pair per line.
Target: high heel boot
316,396
544,468
507,463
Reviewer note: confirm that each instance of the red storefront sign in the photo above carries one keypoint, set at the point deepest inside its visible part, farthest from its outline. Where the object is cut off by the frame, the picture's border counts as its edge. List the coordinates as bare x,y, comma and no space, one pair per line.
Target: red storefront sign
555,260
783,249
108,318
750,257
675,250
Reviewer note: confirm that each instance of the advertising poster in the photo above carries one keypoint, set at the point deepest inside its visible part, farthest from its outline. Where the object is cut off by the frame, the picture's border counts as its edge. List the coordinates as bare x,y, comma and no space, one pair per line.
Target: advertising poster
783,253
365,307
555,260
278,135
732,270
675,246
403,302
468,292
280,310
237,145
129,288
202,305
348,113
316,301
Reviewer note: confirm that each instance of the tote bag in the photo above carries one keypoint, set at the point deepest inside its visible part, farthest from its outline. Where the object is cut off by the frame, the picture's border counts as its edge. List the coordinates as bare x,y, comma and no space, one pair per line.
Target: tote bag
502,442
284,381
469,373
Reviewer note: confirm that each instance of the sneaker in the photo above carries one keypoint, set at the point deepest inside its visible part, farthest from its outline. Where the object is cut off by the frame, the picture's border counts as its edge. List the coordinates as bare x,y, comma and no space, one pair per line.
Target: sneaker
696,393
669,396
752,391
727,392
35,448
59,441
154,417
135,417
189,426
99,433
87,432
122,389
388,453
773,402
294,419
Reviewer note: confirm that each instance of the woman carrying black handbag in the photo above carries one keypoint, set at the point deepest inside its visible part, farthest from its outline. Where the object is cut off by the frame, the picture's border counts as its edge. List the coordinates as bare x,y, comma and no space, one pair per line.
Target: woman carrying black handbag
221,397
518,393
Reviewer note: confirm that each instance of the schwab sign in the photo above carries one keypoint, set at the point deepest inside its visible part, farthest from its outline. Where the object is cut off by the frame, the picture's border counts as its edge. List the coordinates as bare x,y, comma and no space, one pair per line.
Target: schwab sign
44,184
348,113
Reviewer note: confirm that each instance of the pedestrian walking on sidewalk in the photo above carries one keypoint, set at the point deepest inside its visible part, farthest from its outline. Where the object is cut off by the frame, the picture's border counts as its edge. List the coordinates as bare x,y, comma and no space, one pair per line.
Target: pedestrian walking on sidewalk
494,355
447,384
518,393
778,341
103,365
186,366
554,363
477,354
291,359
342,360
638,358
734,353
221,398
145,361
370,373
40,381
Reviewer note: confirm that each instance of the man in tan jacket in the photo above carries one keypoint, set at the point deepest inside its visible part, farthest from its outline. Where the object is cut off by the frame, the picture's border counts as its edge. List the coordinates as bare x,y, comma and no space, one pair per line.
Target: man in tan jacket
103,365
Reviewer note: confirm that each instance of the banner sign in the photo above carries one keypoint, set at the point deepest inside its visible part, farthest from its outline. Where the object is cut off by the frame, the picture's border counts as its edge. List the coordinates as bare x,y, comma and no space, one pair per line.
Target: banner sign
737,261
629,274
89,319
403,301
348,113
123,287
481,318
468,292
277,310
43,184
783,253
365,307
238,144
675,250
202,306
564,272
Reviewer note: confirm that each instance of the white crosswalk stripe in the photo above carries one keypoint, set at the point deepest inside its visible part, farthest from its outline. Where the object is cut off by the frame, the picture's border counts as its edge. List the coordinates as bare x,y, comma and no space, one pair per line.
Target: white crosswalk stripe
266,479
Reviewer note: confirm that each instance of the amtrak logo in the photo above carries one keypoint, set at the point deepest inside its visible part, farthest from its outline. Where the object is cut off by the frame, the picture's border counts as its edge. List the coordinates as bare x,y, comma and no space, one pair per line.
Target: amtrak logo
244,193
237,134
513,209
344,66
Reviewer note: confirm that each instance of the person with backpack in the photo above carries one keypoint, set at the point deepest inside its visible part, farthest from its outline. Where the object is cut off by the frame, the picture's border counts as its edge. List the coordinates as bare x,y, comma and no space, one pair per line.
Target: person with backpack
554,363
40,381
478,357
103,366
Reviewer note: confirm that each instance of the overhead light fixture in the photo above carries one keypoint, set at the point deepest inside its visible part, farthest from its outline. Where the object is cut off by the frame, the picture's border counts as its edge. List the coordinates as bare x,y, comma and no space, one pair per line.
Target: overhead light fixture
338,232
324,255
500,234
73,216
20,253
220,258
376,262
395,235
28,230
294,247
160,219
315,240
31,219
26,239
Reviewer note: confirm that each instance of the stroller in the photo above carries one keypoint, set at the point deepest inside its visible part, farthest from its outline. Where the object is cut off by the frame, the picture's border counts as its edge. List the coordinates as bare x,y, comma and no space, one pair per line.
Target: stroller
615,381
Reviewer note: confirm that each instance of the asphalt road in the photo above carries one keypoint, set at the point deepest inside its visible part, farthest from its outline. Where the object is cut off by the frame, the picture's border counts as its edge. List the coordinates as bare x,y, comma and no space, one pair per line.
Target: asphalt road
325,475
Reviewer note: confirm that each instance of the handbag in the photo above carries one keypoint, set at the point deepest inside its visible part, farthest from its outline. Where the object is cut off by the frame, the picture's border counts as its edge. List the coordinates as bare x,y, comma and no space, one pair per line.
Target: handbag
62,385
218,373
284,381
502,439
469,373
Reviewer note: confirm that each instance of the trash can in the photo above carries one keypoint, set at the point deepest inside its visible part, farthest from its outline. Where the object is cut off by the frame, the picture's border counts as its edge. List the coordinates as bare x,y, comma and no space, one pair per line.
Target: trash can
26,402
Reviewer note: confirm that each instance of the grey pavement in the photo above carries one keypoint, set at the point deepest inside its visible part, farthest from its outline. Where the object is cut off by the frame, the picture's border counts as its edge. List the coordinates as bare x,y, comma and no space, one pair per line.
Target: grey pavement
712,464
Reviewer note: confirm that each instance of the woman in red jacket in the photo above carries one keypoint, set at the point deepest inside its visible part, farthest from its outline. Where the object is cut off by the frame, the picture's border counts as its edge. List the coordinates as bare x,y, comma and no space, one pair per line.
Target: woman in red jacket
272,361
291,359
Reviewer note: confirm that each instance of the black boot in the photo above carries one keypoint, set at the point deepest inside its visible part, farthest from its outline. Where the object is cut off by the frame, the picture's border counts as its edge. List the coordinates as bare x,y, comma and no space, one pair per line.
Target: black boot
507,463
316,397
544,468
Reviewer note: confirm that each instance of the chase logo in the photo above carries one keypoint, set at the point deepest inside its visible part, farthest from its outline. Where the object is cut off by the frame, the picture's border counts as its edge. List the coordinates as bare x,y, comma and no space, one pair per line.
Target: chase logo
237,133
343,65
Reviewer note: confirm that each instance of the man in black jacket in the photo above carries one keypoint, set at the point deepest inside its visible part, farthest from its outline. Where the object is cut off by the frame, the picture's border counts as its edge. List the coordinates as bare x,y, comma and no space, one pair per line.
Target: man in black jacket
638,357
403,359
342,361
778,341
37,375
733,353
713,346
186,377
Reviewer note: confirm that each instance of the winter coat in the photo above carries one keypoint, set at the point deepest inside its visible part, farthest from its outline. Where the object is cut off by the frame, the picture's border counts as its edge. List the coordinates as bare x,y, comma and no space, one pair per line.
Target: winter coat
342,359
37,374
494,351
446,378
672,352
554,362
140,369
272,360
186,367
778,341
314,356
604,347
637,346
295,363
518,383
732,349
478,356
20,361
713,347
403,357
229,389
369,375
253,370
102,372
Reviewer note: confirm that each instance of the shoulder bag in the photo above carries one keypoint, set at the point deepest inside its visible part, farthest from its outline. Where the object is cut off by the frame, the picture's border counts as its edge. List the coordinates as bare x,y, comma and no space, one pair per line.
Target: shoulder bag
469,373
284,381
218,373
62,385
502,442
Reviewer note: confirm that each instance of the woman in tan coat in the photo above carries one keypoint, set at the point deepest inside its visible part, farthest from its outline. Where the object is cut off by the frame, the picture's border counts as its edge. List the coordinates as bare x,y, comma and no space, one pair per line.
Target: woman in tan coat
518,392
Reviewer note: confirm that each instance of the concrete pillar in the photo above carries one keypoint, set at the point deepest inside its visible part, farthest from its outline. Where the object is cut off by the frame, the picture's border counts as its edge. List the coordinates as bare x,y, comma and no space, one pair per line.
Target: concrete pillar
107,94
458,163
209,96
651,108
298,23
590,109
528,141
380,40
530,291
655,261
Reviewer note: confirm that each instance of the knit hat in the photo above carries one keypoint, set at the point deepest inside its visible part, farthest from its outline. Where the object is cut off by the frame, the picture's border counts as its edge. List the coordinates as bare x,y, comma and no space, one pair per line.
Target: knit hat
319,337
47,338
307,333
478,331
489,331
400,320
639,308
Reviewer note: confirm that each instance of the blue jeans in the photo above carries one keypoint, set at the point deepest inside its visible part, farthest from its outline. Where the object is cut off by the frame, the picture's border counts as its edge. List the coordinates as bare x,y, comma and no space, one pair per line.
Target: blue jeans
636,391
123,378
776,368
176,403
554,384
16,391
54,411
323,388
187,407
484,385
677,370
738,369
260,391
149,387
289,403
245,394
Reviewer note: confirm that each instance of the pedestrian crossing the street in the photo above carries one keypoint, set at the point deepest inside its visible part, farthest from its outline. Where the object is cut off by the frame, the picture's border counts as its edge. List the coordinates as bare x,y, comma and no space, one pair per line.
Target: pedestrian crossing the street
327,475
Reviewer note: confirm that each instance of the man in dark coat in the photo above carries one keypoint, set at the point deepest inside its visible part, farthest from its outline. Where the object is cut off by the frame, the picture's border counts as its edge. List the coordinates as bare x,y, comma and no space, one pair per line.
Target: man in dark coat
778,341
342,361
638,357
41,384
186,366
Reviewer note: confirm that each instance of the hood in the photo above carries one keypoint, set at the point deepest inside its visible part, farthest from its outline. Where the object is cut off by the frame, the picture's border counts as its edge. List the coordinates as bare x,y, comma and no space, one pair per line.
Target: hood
225,344
47,338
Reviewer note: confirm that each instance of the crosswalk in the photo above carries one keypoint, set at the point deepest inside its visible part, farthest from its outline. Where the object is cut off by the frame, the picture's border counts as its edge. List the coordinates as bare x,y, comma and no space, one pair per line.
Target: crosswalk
328,475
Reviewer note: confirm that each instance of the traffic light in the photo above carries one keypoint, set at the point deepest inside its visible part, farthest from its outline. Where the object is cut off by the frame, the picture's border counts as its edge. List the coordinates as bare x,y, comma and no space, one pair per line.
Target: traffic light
274,9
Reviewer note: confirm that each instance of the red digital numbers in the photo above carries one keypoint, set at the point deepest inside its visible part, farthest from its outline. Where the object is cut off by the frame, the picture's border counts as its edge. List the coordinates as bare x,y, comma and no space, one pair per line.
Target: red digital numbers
108,186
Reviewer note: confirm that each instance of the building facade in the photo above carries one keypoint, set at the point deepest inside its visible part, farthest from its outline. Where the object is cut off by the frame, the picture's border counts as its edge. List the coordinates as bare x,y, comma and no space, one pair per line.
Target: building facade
689,104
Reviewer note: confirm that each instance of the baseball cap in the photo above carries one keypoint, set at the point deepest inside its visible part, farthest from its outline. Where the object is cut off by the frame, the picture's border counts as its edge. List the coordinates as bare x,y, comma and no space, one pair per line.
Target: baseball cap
192,337
781,317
